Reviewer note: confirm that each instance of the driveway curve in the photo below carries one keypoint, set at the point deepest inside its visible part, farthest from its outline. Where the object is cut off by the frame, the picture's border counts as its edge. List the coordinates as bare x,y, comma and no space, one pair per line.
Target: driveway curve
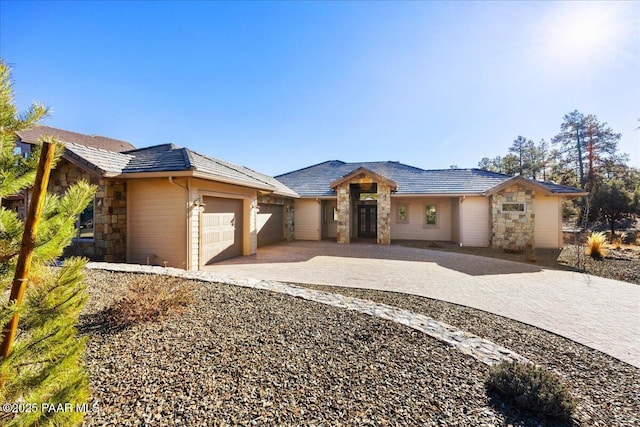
601,313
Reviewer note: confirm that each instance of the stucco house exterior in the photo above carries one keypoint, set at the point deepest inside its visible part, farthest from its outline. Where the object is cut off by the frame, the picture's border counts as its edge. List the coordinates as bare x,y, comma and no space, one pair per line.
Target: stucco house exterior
386,201
168,205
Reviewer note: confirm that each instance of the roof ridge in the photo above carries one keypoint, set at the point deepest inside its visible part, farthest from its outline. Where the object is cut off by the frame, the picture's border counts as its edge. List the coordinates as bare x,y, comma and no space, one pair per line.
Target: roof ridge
188,158
231,166
126,153
166,144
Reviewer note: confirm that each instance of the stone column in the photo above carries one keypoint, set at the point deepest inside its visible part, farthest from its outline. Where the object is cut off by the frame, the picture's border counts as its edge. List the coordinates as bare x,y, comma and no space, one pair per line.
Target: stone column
384,214
344,214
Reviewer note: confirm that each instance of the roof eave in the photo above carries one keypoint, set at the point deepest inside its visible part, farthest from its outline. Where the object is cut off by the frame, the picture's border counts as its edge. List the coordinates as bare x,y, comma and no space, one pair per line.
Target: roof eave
465,194
517,180
212,177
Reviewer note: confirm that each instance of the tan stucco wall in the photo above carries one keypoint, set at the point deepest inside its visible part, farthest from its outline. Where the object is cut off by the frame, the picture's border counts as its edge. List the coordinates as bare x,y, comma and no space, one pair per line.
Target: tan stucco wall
548,221
474,221
157,223
415,228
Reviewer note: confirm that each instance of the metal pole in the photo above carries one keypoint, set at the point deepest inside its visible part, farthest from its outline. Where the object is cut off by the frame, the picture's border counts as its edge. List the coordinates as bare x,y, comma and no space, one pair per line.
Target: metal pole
28,244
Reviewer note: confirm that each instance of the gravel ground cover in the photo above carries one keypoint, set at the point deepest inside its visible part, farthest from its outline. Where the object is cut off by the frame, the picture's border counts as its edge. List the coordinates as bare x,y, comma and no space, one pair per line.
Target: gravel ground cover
607,390
240,356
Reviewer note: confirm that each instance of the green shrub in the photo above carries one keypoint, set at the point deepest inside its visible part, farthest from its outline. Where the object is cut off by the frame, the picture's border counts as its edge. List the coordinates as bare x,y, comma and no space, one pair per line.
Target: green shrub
150,298
532,388
595,245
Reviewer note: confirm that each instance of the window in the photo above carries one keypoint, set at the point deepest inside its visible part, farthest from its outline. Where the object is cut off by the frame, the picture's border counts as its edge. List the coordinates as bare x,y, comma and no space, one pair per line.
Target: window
430,215
402,214
513,207
368,196
85,223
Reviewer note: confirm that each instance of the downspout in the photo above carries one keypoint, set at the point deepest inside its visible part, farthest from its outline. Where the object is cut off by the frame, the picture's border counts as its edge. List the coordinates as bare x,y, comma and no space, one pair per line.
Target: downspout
186,231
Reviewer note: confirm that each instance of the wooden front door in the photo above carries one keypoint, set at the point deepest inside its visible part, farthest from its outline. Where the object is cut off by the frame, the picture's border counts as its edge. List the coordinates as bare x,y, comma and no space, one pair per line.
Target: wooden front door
367,221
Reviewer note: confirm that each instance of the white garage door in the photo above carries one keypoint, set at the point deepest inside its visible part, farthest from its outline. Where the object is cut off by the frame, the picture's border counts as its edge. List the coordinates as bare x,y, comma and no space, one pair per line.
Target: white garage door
221,229
270,224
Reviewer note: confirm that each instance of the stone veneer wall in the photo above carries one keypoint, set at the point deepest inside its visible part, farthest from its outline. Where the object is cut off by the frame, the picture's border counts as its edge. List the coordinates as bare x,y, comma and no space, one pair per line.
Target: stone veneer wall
345,207
384,214
343,232
289,231
513,230
110,214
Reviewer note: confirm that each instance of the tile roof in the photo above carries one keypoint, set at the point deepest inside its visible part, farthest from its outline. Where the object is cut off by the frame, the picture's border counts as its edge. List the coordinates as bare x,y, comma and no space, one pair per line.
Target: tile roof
32,135
170,158
314,181
103,162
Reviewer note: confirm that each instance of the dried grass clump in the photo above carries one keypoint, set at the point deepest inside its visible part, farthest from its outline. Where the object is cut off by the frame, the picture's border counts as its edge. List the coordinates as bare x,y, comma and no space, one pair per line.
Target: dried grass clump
150,298
595,245
532,388
619,240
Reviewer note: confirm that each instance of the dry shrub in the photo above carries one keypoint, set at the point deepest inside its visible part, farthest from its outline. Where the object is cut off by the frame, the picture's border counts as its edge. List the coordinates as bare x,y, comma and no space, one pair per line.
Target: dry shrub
595,245
619,240
532,388
150,298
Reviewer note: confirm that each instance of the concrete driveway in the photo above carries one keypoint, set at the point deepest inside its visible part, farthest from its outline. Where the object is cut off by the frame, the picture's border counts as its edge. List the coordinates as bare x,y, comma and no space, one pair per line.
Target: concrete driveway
600,313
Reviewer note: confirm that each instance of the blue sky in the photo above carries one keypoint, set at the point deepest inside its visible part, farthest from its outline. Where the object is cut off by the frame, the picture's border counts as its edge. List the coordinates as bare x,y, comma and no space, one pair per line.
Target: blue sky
277,86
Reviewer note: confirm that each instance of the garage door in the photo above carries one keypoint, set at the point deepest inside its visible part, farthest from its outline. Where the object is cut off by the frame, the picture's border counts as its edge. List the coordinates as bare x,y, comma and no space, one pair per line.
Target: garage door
221,229
270,224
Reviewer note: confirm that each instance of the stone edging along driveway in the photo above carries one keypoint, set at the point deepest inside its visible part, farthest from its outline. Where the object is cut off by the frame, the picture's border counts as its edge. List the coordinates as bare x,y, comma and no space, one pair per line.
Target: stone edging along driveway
479,348
600,313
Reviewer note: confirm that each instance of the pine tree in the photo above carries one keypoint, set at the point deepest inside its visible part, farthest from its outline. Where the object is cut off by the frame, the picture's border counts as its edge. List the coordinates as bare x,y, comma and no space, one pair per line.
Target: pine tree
44,365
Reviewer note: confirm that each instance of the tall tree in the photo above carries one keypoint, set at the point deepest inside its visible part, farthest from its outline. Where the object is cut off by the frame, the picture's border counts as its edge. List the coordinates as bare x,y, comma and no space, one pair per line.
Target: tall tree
44,365
524,150
600,146
571,143
587,145
543,158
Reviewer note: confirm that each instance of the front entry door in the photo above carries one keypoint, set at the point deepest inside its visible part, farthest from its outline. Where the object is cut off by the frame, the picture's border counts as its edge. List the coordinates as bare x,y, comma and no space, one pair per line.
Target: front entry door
367,221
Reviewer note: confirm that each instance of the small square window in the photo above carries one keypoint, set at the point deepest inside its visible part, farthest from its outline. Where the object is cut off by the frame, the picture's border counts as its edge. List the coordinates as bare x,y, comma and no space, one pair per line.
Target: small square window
513,207
402,214
430,215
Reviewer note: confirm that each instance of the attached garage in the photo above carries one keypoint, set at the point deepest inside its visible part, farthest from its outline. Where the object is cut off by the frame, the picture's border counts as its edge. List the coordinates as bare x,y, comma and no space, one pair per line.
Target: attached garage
221,229
270,224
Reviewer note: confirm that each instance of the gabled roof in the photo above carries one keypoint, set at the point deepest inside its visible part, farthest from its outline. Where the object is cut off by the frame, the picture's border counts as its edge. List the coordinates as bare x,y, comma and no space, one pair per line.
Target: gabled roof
167,159
545,187
362,171
32,135
316,180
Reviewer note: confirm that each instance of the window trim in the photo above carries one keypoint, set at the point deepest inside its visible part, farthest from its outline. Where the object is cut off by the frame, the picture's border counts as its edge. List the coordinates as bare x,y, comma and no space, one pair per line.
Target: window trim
78,237
503,210
406,213
424,216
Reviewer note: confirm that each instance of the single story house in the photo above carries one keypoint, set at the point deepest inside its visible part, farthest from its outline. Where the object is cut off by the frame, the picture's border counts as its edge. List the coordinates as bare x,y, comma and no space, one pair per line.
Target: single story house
388,200
168,205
